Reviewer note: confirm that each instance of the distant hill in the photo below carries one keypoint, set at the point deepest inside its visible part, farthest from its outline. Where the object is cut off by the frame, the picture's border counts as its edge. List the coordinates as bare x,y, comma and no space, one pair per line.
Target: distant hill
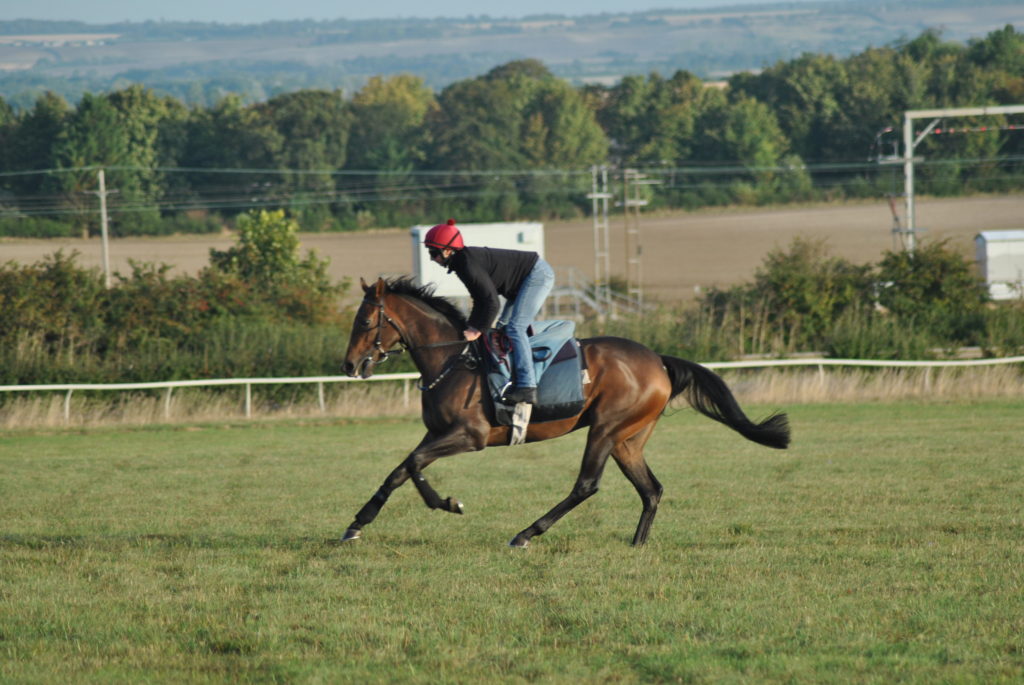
200,62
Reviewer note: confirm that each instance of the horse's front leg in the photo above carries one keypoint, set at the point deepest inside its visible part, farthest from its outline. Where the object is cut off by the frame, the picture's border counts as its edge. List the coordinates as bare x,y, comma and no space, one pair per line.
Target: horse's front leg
429,450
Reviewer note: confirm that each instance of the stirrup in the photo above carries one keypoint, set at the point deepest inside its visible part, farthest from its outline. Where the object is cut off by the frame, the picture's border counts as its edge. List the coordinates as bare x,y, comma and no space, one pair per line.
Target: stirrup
518,394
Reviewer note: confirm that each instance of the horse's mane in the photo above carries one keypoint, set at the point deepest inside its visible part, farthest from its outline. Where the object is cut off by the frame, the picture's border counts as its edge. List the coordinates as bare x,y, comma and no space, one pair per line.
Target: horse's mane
403,285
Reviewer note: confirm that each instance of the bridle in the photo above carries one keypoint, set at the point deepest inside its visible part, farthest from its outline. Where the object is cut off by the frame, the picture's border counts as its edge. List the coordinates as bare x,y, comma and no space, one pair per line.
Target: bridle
378,344
406,344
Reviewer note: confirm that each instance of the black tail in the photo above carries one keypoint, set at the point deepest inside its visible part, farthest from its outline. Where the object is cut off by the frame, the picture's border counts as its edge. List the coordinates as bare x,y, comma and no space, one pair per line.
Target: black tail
707,393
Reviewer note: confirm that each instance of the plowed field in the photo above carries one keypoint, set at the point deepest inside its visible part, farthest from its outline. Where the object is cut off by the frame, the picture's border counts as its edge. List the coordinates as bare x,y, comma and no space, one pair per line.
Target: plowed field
680,251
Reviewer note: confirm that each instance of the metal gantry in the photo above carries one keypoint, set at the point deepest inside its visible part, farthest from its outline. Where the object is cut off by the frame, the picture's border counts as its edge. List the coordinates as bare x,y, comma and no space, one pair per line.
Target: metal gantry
632,201
600,196
910,142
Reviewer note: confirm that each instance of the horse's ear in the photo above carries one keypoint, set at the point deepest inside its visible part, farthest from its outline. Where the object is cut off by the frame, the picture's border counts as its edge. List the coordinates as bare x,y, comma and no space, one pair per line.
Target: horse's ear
380,288
362,283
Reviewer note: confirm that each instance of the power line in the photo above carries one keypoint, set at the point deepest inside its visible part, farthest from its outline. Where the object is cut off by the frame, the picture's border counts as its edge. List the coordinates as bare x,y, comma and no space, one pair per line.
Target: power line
433,185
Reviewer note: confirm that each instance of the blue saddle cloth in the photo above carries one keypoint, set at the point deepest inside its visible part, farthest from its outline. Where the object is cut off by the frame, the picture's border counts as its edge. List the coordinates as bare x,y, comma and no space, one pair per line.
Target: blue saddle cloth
559,365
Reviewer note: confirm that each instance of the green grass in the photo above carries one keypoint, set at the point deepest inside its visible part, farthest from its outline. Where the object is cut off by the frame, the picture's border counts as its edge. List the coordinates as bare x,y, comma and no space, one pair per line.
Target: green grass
887,545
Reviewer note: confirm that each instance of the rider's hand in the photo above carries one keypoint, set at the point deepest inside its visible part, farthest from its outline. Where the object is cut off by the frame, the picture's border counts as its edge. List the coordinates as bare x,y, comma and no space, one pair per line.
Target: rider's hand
471,334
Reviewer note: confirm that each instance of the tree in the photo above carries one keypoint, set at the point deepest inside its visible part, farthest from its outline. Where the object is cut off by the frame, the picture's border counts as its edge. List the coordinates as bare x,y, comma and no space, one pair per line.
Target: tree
387,126
313,126
139,114
233,136
1001,50
171,147
141,185
32,142
93,138
882,84
652,120
516,117
746,131
1000,55
389,137
8,129
803,94
267,252
266,258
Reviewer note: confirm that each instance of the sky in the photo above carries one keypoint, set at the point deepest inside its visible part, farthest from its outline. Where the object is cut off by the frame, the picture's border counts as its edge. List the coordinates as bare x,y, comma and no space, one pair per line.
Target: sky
257,11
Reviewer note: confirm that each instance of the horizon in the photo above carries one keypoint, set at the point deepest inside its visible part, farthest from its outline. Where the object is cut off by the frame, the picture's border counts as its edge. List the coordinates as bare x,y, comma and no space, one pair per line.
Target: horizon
262,11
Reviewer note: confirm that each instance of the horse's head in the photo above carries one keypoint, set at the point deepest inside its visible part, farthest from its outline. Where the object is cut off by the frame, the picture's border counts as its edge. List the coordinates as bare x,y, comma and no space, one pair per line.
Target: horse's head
373,332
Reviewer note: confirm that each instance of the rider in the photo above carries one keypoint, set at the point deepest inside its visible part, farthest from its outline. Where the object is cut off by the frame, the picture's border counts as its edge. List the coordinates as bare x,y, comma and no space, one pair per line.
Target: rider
522,278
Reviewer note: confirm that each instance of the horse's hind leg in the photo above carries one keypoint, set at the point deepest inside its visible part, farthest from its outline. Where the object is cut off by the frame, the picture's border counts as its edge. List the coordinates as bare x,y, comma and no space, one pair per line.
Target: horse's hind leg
595,456
629,455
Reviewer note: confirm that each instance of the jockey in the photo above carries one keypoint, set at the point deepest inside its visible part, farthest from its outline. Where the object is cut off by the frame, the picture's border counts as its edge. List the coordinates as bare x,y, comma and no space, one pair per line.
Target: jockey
522,278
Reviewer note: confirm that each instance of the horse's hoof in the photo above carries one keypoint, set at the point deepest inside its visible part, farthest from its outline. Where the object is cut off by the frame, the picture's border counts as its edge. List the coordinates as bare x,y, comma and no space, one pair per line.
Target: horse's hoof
351,534
454,506
519,542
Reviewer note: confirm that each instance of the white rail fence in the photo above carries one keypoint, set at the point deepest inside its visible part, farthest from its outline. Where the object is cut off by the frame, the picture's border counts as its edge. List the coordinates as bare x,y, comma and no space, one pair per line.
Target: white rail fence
408,378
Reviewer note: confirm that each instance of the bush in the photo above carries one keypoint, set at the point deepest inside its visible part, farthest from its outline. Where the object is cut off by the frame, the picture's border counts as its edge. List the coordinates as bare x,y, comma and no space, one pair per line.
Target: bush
801,299
58,323
1004,329
864,334
937,288
35,227
191,223
795,297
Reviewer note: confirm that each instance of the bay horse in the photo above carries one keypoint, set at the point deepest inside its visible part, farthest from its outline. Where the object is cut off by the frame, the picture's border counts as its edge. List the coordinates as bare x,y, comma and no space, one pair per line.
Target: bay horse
630,387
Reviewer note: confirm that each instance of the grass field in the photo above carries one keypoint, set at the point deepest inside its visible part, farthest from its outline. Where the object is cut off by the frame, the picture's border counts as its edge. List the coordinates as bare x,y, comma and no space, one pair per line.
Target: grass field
887,545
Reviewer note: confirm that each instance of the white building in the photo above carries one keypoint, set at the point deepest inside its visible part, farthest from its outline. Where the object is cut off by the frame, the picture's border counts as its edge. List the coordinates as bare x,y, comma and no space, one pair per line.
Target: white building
1001,260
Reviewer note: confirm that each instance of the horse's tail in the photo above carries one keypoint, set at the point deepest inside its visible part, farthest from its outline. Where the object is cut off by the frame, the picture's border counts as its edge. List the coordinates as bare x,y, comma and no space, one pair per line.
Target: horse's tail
707,393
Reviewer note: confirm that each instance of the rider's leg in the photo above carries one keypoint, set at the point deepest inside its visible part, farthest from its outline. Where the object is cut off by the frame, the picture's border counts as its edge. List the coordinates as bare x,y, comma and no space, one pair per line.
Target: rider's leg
524,308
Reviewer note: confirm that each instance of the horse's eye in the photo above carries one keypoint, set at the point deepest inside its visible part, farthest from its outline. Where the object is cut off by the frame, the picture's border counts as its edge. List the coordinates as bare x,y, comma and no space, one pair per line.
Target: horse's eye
365,323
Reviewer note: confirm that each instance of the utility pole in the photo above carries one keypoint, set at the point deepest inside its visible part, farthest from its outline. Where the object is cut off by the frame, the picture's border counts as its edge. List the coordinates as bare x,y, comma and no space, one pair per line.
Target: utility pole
602,250
104,233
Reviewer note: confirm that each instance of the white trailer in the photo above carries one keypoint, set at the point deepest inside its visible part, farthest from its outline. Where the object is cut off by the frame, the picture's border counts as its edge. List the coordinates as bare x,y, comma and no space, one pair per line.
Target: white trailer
1001,260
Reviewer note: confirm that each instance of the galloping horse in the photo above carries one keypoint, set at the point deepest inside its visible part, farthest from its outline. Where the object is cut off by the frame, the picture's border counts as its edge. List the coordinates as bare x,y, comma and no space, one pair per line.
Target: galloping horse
629,390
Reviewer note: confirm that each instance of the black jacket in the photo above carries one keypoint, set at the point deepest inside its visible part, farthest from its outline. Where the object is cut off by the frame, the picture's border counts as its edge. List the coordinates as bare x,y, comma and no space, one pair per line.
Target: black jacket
488,272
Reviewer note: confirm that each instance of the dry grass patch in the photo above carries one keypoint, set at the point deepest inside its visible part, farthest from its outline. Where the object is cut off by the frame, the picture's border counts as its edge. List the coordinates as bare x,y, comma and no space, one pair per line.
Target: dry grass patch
804,386
775,387
124,408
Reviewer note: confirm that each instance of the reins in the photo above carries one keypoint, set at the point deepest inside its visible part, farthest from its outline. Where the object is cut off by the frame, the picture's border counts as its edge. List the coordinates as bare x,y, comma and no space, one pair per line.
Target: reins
406,344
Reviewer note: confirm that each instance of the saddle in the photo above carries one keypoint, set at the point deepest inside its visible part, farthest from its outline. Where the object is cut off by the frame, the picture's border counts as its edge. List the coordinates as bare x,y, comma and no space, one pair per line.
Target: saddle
558,363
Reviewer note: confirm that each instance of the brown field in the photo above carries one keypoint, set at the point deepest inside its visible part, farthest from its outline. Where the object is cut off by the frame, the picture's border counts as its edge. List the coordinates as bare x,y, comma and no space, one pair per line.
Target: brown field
681,251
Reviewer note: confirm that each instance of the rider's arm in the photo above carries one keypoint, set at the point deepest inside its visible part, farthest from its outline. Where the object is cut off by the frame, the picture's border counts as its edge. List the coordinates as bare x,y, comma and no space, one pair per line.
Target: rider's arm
486,305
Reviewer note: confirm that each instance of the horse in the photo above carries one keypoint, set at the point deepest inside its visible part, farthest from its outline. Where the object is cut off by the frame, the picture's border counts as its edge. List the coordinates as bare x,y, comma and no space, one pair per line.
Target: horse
630,387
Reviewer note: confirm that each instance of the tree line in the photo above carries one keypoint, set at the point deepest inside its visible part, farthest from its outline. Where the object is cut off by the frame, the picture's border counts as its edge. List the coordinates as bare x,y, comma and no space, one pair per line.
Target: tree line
515,142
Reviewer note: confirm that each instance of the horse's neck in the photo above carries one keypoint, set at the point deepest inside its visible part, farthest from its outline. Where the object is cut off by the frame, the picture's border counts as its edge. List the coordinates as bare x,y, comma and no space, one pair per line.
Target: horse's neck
426,326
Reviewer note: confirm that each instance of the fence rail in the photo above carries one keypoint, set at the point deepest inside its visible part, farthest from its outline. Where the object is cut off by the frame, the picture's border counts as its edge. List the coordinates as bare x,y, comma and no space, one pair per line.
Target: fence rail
408,378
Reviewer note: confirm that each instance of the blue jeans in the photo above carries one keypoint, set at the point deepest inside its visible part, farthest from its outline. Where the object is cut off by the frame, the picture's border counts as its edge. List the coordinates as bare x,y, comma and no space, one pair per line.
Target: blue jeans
519,314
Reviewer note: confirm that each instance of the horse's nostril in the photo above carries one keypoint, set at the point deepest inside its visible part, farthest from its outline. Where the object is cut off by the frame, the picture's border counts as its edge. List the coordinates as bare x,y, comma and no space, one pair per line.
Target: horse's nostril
349,368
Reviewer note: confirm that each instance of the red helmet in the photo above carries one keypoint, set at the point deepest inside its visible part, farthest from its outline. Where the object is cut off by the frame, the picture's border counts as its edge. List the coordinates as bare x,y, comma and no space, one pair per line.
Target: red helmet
444,236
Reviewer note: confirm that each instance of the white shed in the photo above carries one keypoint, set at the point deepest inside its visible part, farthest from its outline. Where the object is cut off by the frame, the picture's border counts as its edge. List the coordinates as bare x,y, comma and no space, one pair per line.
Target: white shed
1001,260
510,235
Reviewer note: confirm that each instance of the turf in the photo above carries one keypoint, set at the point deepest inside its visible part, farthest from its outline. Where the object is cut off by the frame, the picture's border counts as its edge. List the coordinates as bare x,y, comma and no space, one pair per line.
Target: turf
887,545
